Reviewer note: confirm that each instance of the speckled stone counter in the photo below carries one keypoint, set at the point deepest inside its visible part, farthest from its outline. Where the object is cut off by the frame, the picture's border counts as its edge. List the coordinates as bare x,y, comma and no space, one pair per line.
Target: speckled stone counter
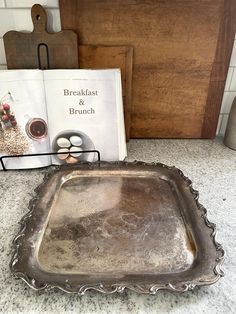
212,168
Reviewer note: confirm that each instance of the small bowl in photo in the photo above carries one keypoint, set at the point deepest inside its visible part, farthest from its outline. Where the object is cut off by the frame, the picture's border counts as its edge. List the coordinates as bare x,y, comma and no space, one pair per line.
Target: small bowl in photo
69,141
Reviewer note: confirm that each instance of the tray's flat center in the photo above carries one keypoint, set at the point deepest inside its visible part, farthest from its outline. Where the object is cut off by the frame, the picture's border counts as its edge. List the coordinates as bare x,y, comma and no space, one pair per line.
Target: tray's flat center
115,223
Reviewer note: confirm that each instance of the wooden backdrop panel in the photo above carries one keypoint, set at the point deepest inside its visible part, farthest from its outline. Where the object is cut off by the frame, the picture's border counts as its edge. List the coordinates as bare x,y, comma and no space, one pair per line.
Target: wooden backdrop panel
181,53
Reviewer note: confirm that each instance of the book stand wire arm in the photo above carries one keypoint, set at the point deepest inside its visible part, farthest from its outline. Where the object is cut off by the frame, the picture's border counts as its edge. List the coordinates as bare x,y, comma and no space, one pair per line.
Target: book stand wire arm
2,158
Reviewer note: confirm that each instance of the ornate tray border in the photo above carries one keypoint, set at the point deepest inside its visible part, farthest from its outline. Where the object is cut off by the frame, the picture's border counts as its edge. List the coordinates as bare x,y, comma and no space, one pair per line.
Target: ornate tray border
112,288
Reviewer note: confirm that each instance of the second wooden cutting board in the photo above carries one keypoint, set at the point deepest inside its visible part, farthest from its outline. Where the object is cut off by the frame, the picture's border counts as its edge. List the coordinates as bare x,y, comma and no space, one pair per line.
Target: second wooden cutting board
101,57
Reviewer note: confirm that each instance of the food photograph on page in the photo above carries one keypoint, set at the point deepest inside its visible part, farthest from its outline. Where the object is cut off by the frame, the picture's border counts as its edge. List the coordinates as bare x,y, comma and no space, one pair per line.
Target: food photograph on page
70,144
12,140
24,128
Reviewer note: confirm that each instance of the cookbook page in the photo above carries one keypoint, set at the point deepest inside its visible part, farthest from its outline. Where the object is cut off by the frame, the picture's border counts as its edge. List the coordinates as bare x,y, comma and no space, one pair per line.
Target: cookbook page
23,118
82,114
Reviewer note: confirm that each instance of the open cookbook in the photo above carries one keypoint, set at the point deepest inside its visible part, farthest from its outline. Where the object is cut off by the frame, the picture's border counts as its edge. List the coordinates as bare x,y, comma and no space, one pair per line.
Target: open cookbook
64,111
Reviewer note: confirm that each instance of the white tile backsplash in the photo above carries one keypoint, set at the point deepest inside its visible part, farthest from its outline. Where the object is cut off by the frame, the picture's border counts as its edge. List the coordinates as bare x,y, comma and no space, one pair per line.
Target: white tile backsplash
2,53
229,78
232,87
233,56
30,3
3,67
54,22
224,124
227,101
229,94
20,20
2,4
219,123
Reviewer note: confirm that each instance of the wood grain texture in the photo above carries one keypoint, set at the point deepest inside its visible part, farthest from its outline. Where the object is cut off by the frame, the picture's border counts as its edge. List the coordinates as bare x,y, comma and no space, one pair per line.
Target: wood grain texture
101,57
22,49
175,43
220,69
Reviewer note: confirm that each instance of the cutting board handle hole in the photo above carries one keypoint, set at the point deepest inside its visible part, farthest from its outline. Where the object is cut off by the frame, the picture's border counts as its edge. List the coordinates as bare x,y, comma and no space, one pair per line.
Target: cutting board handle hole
39,18
43,56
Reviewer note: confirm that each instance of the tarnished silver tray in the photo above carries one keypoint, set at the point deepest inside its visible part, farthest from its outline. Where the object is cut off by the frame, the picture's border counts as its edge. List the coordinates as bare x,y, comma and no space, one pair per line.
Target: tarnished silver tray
112,226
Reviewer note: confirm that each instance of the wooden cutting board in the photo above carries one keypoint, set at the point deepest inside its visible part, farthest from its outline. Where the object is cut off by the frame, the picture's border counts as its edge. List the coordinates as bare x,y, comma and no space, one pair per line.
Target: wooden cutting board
40,49
102,57
181,56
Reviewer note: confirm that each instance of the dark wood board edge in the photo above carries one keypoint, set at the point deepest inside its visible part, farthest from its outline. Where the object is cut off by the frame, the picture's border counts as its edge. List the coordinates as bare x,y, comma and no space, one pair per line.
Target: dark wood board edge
219,70
214,100
128,88
67,7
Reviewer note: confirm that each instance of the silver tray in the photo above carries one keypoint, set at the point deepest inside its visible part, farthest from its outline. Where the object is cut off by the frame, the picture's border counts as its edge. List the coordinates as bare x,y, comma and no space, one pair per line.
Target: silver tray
112,226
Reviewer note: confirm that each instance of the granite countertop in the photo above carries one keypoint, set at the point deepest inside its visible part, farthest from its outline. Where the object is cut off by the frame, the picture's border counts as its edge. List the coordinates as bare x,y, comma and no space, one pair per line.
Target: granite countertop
212,168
